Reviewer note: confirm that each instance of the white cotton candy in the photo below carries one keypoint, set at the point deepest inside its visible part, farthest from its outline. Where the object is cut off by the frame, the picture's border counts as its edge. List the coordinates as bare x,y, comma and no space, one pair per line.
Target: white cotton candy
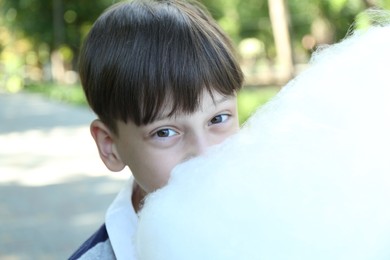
308,177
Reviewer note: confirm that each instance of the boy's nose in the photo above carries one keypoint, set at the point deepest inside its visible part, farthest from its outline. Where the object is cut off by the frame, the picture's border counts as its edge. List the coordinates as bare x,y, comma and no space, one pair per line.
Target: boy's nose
198,144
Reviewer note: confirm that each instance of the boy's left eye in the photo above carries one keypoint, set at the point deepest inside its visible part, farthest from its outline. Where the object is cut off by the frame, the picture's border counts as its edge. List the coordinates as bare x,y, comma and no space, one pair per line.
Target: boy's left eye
219,119
165,133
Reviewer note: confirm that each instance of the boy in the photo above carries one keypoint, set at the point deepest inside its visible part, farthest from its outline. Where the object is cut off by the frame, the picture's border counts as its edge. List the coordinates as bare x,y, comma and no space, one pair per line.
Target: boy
162,78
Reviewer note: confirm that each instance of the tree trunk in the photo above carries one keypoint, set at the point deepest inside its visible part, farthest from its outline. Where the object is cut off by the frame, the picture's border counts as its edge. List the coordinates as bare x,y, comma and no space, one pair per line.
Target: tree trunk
57,62
280,28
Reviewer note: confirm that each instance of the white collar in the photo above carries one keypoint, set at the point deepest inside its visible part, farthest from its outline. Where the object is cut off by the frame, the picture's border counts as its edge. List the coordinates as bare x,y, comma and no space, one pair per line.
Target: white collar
121,222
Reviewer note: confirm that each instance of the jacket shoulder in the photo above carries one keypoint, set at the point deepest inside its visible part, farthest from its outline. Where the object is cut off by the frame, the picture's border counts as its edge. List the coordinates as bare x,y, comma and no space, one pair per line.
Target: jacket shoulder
98,246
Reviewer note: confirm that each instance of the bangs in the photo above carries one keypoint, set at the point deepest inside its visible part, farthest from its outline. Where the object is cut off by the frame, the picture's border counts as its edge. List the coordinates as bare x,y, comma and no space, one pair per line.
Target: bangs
174,68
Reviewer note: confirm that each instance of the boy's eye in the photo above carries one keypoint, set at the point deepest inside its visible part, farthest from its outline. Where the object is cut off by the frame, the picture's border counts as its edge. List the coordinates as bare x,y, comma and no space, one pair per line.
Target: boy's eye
219,119
165,133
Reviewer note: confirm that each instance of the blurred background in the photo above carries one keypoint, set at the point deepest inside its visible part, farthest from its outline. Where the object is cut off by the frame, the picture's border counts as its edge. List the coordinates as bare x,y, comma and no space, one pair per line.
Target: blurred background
53,188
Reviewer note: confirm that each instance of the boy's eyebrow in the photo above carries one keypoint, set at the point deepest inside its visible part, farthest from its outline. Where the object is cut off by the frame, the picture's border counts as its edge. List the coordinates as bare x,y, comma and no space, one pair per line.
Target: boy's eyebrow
223,99
166,114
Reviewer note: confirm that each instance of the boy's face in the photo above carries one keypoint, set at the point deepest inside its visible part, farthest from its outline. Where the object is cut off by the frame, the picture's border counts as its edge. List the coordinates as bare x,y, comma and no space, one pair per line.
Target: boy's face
152,151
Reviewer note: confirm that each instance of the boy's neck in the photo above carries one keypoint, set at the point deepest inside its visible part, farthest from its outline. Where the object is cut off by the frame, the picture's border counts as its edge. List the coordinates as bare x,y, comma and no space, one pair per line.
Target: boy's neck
137,198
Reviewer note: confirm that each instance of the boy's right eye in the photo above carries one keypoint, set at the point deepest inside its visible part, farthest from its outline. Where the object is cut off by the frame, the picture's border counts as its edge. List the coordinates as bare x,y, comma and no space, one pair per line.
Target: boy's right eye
165,133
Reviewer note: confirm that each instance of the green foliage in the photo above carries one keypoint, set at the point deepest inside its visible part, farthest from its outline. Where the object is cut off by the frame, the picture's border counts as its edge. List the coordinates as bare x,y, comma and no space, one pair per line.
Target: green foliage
54,22
68,94
333,17
251,98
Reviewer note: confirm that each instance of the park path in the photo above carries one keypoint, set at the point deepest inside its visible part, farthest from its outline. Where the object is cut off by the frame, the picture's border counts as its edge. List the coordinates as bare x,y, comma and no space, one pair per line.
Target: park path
54,190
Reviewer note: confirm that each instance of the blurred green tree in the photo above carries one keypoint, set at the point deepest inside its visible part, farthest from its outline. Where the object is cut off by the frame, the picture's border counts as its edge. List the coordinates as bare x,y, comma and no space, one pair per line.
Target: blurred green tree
54,28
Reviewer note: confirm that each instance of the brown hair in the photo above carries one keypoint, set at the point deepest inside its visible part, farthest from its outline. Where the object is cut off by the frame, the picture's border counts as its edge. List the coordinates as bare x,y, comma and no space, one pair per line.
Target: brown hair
139,55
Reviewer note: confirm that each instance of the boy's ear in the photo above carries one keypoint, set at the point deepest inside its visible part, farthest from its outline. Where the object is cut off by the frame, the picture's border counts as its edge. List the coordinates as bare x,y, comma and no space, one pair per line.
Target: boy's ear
104,140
